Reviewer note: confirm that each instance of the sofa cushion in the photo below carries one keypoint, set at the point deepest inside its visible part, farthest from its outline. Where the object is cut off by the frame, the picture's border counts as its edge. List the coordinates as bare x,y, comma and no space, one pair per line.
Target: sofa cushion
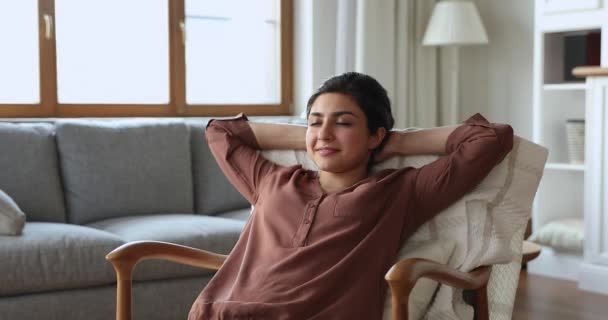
152,300
240,214
29,164
213,193
124,167
52,256
562,235
218,235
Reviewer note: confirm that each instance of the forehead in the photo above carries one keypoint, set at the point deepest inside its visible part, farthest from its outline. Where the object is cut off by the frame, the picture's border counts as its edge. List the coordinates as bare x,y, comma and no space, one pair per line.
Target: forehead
328,103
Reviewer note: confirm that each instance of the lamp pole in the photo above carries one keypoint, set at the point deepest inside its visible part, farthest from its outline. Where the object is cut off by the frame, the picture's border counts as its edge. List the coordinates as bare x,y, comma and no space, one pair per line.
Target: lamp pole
455,85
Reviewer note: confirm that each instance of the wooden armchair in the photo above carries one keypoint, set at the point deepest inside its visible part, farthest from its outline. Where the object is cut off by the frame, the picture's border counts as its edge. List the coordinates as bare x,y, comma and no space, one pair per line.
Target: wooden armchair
401,277
505,197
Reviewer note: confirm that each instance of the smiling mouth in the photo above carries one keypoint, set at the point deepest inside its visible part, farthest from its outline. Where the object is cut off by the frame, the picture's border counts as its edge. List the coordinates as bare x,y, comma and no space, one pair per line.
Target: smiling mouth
326,151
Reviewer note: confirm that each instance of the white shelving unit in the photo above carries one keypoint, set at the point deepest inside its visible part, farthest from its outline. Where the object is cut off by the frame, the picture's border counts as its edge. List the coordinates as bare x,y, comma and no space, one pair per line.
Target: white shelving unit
562,190
594,269
565,166
564,86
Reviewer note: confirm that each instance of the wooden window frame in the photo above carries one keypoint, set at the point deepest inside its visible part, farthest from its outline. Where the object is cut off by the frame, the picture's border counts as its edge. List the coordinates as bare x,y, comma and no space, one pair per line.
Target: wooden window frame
177,106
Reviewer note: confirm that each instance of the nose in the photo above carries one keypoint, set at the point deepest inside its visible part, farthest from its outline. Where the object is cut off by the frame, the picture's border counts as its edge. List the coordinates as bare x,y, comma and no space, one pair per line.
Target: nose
325,132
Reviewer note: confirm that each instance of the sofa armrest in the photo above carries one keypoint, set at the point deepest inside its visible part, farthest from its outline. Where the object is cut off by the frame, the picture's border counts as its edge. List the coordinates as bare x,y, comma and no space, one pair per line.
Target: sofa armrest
403,275
125,258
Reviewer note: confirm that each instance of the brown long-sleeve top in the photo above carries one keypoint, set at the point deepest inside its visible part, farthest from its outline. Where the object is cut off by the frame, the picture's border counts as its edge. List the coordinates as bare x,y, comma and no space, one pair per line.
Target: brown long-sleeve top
306,254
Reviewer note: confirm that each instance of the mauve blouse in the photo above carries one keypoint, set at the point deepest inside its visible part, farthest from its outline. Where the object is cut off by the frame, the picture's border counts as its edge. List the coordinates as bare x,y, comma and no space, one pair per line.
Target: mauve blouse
307,254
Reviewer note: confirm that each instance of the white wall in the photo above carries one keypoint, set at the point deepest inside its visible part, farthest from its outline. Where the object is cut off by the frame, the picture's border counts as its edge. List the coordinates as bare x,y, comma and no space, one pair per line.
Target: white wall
496,79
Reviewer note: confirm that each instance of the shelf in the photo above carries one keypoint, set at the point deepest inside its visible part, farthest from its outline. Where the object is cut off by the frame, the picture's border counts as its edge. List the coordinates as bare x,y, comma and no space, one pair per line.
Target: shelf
565,166
564,51
565,86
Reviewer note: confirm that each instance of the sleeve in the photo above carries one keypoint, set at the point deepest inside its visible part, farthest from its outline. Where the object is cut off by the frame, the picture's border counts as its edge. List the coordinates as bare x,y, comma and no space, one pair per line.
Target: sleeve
474,148
236,151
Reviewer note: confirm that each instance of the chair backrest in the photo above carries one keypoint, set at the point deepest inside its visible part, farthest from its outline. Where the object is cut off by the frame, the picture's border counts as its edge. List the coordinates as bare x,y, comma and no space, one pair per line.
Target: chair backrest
485,227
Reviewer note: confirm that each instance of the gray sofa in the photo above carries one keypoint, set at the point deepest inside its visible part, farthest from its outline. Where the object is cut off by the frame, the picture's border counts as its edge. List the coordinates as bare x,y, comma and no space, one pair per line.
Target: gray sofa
89,186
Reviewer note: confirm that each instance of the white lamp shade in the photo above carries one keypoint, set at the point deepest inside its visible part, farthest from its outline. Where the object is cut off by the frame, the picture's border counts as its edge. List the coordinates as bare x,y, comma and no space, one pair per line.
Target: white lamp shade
454,23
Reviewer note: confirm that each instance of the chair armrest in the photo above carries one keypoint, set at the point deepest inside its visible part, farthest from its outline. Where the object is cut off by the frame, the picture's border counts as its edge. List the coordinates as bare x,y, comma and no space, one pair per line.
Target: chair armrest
403,275
529,251
125,257
129,254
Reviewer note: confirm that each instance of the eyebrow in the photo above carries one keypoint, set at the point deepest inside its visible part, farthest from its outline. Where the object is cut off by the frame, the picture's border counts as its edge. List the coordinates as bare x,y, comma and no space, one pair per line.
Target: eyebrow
334,114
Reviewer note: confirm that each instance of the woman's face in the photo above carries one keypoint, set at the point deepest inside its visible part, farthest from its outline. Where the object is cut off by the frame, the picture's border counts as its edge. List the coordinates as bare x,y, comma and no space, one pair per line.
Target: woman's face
338,139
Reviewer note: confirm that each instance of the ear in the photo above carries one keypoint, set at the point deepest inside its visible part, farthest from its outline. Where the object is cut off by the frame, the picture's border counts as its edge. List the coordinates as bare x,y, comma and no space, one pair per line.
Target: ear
376,138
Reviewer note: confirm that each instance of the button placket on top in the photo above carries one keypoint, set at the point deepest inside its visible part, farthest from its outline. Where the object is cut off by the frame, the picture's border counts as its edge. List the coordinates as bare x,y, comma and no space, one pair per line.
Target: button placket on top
299,239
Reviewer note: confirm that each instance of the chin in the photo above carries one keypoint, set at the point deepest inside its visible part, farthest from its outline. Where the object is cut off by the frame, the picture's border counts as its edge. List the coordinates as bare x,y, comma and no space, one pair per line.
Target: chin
328,166
333,166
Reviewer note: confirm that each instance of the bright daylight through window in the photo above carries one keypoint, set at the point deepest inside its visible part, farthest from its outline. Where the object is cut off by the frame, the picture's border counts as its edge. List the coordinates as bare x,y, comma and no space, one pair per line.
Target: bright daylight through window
119,58
232,52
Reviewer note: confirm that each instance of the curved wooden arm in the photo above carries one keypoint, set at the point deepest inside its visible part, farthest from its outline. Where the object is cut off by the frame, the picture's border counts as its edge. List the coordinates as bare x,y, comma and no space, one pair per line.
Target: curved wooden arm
403,276
133,252
125,258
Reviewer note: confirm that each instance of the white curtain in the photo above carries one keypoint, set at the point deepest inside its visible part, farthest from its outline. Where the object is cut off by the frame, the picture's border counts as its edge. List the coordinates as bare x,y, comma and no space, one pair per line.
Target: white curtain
383,39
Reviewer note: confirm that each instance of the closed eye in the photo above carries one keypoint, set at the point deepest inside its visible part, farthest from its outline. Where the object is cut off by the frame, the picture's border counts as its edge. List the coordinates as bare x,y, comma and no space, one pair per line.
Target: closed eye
344,124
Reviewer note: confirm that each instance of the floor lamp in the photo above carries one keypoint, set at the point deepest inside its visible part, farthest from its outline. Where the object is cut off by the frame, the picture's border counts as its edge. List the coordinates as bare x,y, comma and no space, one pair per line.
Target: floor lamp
453,24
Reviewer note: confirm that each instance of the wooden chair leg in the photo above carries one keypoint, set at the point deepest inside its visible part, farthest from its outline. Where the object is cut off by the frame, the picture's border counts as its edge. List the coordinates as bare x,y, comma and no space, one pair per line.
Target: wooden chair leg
402,277
125,257
482,311
400,293
123,290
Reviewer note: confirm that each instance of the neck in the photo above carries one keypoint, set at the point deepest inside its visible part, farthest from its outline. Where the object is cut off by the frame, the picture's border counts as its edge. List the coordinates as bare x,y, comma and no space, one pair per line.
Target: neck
331,182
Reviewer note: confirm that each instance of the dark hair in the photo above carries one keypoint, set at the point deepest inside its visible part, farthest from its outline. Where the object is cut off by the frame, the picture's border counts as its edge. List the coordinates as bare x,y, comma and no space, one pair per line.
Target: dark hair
370,96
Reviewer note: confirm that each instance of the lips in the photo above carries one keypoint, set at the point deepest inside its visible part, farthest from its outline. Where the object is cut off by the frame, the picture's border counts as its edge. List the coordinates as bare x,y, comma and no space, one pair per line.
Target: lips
326,151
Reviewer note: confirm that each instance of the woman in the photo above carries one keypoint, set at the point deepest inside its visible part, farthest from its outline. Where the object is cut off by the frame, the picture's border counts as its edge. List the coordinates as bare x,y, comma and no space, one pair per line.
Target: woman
318,243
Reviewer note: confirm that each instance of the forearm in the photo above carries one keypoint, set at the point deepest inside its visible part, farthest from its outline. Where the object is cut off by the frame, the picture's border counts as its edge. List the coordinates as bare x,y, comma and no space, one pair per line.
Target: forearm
425,141
279,136
473,149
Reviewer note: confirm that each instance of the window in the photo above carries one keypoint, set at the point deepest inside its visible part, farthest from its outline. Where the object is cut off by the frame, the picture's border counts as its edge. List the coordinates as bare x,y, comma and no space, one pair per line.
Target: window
73,58
217,72
112,60
20,67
